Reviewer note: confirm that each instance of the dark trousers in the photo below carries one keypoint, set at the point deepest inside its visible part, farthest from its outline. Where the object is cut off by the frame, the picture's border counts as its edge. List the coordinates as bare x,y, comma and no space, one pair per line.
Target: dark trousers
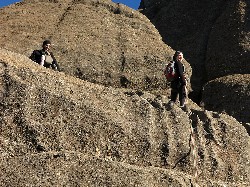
178,89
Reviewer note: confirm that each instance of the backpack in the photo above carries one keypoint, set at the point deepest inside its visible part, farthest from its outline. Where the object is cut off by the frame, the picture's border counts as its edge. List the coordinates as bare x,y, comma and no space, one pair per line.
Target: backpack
170,71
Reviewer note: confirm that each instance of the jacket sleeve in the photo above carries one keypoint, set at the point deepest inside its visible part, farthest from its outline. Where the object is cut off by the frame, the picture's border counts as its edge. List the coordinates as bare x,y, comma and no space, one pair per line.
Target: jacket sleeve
33,56
36,56
181,73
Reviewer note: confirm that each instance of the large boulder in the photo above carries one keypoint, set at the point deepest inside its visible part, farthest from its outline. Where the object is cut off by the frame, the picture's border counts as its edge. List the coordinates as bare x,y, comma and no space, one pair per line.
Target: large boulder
229,94
59,130
98,41
228,47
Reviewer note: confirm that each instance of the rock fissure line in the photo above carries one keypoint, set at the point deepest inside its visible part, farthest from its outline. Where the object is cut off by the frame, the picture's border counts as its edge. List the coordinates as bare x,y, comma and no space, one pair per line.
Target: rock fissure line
205,78
62,18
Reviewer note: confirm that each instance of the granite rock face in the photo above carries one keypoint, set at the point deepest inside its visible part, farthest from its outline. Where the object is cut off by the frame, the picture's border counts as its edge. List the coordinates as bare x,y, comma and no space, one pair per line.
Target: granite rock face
82,126
58,129
229,94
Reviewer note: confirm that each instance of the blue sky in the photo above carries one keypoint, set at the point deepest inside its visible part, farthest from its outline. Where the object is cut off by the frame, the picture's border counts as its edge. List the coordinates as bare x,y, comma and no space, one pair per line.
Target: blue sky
131,3
7,2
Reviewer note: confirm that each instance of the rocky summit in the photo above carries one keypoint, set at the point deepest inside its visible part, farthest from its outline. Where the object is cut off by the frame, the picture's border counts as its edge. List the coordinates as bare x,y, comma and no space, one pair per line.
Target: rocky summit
104,119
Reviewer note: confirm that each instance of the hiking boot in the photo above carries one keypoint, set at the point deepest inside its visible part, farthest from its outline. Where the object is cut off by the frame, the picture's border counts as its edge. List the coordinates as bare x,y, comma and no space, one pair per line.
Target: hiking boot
170,105
186,109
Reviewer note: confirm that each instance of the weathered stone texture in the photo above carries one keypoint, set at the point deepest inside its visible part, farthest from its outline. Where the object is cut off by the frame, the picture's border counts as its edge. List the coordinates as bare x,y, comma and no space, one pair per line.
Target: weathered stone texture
229,94
103,121
49,113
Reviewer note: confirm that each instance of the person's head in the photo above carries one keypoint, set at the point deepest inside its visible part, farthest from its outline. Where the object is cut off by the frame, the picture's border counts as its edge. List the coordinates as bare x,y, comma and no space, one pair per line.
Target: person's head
46,45
178,56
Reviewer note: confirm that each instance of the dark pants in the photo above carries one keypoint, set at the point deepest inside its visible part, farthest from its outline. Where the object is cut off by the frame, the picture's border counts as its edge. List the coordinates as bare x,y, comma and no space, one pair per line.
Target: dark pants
178,89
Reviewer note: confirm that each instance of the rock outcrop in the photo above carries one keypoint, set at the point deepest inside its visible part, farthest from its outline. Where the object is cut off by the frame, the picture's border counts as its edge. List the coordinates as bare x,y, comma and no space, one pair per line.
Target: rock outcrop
229,94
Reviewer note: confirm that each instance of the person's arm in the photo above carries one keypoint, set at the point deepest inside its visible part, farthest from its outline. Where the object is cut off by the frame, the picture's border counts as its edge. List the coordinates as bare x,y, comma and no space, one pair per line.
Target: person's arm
42,60
36,56
55,64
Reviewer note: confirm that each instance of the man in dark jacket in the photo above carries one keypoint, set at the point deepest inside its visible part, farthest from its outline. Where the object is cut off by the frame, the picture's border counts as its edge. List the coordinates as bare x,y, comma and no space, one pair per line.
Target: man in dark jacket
178,85
44,57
